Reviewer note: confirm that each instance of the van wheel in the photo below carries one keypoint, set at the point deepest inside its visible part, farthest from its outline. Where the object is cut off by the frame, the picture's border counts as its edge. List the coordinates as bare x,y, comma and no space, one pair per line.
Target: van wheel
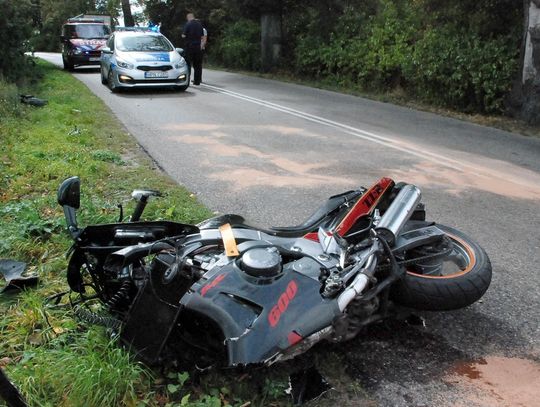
67,65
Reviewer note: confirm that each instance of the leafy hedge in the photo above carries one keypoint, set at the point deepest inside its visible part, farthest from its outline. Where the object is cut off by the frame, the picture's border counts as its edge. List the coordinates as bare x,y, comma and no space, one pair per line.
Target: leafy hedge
462,70
445,64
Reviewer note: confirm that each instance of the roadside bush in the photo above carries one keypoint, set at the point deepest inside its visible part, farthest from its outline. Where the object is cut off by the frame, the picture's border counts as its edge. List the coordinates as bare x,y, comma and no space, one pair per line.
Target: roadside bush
240,45
461,70
310,44
387,45
9,100
367,51
447,64
311,57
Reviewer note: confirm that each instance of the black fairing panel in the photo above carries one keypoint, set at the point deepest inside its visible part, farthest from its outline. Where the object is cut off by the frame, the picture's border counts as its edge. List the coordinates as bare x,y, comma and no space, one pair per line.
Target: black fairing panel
259,321
117,235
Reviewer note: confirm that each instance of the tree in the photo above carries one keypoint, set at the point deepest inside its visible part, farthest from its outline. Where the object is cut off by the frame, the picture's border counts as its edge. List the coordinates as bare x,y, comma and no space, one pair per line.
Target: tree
16,22
525,97
109,7
128,17
271,33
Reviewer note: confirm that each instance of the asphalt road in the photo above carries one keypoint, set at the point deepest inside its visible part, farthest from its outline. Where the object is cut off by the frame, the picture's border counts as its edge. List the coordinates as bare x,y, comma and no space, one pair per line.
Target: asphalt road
273,151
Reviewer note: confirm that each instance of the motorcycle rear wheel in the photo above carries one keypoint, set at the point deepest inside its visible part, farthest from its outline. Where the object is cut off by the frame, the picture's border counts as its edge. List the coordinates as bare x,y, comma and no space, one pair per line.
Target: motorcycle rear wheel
443,289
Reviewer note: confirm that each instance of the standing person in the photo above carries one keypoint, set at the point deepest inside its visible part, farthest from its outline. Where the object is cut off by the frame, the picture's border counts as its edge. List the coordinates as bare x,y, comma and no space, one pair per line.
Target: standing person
193,34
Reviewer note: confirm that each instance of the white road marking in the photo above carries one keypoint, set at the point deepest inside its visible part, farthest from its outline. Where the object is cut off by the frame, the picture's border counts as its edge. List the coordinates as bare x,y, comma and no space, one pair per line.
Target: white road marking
396,144
363,134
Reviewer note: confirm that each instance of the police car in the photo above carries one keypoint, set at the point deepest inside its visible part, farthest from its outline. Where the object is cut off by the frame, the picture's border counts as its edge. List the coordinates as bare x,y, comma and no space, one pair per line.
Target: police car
142,58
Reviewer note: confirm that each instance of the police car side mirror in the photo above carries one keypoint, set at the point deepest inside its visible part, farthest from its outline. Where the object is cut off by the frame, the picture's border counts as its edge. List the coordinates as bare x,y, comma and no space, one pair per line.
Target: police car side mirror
106,50
181,51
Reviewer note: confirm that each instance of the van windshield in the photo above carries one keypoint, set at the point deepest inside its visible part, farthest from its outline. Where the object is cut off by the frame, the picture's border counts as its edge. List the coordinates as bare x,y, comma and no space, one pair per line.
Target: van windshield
144,43
87,31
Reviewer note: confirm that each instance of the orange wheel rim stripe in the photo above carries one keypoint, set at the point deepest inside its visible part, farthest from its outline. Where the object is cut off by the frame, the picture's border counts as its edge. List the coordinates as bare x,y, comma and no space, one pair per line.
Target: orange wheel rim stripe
472,261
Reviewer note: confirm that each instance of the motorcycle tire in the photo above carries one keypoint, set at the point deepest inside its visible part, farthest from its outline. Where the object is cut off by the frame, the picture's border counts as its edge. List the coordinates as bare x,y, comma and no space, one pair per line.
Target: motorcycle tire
458,289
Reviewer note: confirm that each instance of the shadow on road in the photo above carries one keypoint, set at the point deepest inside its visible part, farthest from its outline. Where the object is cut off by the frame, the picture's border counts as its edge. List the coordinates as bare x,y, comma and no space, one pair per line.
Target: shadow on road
154,93
396,351
86,69
134,93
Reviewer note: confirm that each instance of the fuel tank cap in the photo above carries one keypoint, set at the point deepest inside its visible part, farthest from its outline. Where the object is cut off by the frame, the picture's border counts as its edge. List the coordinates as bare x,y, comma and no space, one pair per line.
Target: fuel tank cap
262,262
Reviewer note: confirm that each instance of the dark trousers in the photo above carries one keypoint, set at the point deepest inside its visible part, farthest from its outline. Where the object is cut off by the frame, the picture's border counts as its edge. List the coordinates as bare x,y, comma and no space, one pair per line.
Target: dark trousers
194,58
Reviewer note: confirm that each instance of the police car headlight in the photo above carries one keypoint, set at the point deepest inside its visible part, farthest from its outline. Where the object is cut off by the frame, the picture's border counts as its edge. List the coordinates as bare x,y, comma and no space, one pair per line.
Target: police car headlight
181,64
124,65
77,51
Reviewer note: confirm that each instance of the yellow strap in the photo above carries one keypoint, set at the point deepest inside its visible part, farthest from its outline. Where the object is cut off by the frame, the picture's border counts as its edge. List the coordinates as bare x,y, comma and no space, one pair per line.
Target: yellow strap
228,240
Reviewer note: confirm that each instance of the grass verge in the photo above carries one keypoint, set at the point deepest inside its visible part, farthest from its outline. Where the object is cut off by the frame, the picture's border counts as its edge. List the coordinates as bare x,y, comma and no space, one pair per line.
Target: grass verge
53,359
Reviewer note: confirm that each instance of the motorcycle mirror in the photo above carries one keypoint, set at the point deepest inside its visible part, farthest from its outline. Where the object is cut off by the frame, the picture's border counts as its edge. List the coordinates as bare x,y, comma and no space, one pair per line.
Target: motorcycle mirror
69,197
69,193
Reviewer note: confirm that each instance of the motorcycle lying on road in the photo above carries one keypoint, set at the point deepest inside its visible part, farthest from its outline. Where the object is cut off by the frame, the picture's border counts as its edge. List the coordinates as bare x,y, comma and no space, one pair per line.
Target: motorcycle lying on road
226,293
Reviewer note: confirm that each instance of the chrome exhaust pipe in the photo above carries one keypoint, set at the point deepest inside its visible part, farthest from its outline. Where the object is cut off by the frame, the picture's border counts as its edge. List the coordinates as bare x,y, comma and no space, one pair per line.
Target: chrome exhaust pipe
398,213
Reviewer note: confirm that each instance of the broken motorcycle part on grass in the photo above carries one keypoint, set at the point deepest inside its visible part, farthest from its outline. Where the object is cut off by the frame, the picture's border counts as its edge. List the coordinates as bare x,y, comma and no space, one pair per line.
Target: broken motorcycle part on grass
14,273
9,393
228,293
32,100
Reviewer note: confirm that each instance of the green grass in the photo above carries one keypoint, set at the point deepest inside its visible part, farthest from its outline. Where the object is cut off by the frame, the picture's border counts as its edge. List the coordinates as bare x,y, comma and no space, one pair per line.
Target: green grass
80,369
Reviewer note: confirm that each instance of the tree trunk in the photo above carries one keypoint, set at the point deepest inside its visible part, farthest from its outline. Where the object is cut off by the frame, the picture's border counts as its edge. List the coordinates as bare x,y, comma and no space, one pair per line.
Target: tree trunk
271,37
525,97
128,17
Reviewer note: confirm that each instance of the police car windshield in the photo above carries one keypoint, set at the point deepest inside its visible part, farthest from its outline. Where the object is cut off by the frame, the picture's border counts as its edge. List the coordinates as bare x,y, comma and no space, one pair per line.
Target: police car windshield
144,43
88,31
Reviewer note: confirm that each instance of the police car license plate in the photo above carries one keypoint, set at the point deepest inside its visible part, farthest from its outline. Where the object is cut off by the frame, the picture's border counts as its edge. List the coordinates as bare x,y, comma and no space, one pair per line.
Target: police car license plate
155,74
93,59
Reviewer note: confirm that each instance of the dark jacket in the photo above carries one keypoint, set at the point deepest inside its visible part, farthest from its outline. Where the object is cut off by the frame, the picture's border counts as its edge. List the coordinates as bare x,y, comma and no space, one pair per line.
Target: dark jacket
193,31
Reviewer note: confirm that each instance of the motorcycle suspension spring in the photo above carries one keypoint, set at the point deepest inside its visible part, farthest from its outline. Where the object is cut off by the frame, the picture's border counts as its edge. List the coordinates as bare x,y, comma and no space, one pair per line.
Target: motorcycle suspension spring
122,293
95,319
